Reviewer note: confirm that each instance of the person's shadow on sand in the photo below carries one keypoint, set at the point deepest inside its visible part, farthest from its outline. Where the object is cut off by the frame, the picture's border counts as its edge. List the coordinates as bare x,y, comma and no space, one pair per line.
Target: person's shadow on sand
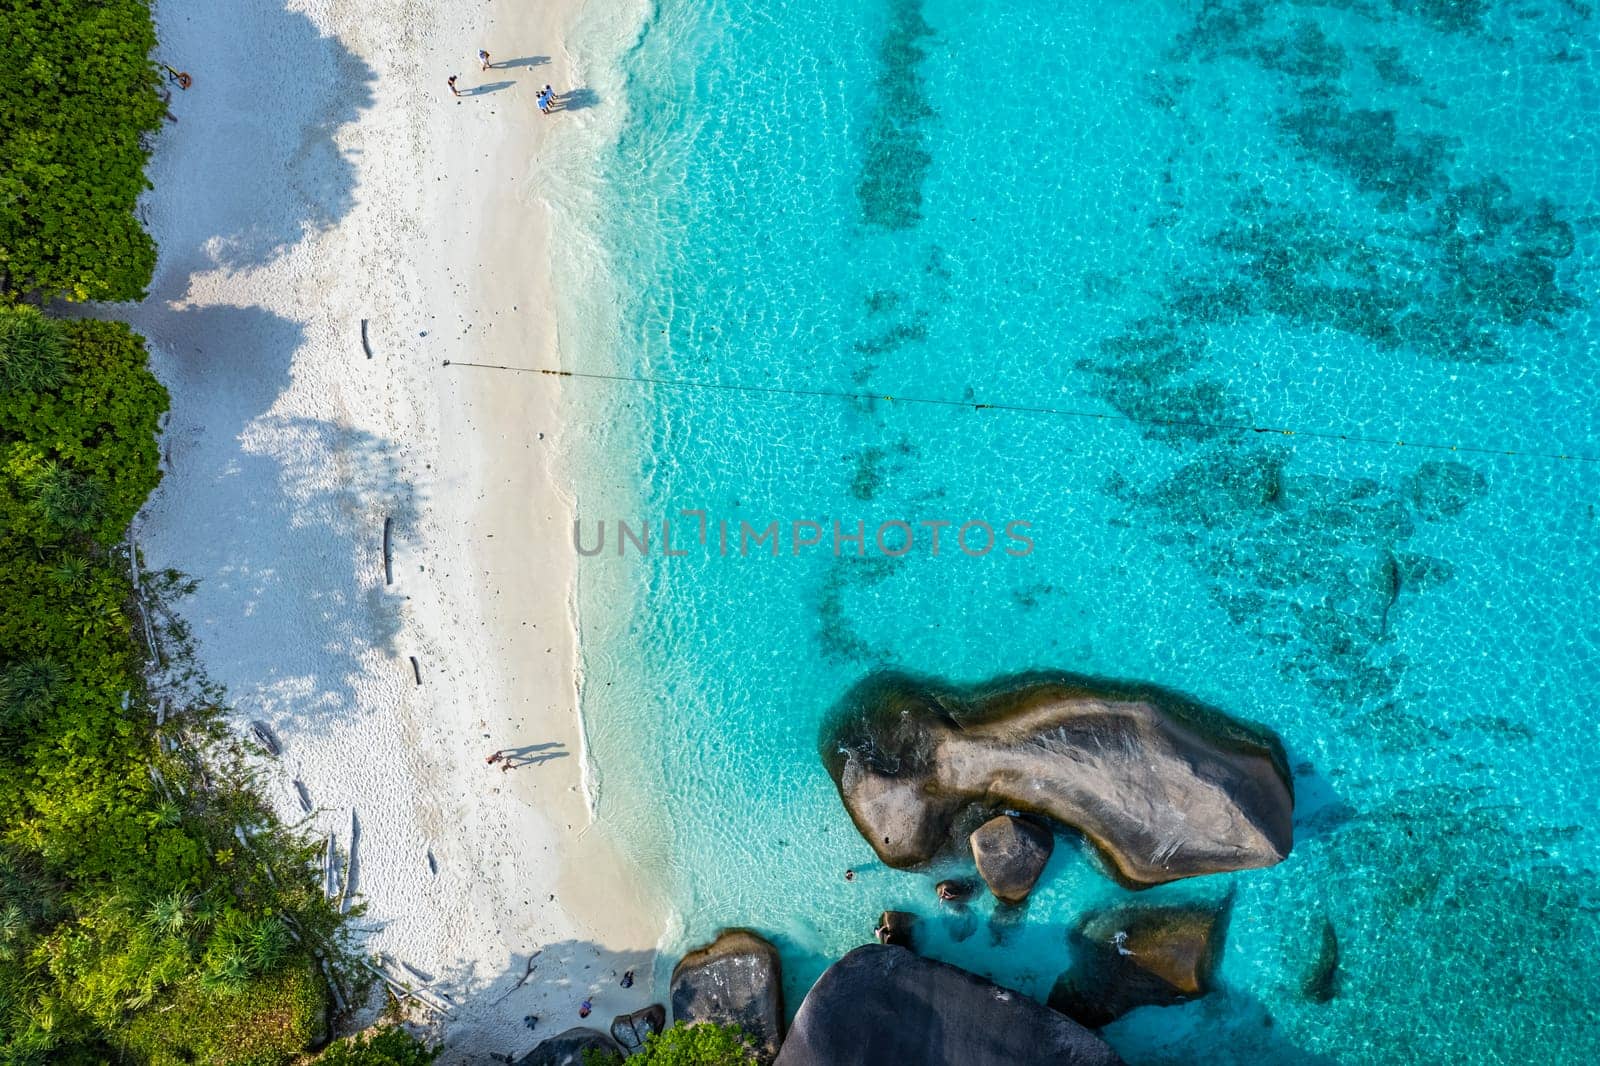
524,61
491,87
533,754
576,99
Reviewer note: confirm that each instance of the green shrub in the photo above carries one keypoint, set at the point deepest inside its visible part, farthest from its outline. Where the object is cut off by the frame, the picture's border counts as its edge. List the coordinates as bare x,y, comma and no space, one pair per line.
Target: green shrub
391,1046
262,1025
79,98
152,910
33,352
134,925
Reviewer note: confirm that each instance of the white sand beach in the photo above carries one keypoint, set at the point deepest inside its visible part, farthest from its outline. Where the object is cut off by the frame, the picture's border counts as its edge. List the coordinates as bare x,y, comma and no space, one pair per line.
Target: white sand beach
320,175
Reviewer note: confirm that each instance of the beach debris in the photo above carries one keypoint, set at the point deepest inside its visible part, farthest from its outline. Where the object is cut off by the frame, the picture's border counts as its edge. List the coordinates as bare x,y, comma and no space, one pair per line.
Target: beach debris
330,872
303,795
416,669
350,863
365,345
424,995
180,76
388,565
433,863
265,738
527,974
333,986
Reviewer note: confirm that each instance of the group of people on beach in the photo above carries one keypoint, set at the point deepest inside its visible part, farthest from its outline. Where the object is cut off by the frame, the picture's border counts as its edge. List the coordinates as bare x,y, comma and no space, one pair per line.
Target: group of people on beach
547,97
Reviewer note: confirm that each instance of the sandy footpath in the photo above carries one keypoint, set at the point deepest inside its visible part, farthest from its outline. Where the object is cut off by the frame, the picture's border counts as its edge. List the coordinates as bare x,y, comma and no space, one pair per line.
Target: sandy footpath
319,174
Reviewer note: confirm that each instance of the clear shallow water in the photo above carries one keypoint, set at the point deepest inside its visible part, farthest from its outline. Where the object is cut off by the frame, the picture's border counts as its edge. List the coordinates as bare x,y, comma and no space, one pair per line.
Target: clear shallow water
1370,219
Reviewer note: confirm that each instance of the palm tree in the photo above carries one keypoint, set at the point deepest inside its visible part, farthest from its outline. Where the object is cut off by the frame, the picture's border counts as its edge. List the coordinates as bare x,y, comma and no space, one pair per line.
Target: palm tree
70,572
33,351
170,913
28,687
68,501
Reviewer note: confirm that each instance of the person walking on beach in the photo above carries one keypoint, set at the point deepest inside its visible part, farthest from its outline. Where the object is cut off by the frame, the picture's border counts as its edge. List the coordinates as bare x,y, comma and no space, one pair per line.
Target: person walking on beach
544,100
483,60
452,82
495,757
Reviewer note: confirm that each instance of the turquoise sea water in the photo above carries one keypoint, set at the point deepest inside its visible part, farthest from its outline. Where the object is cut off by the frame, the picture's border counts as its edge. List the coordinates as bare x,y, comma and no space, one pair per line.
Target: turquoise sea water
1374,218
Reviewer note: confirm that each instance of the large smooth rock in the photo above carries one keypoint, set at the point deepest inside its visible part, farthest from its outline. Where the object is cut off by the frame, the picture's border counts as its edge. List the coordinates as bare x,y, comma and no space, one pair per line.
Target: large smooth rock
632,1030
881,1005
1011,853
734,980
1129,957
1164,787
566,1049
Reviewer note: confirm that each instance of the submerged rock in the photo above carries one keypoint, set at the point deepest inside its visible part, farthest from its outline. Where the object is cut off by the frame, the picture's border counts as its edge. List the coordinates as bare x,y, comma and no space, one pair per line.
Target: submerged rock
881,1005
566,1049
1164,787
1322,982
897,928
631,1030
734,980
1130,957
1011,853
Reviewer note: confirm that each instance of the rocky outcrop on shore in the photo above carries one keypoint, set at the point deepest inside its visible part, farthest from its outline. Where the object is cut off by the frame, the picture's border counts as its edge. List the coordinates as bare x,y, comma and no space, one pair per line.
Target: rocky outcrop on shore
1163,787
734,980
1129,957
883,1004
567,1048
632,1030
1011,853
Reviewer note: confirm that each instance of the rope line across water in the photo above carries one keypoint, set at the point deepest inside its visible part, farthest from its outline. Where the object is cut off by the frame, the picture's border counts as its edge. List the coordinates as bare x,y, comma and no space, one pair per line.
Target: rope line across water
1014,408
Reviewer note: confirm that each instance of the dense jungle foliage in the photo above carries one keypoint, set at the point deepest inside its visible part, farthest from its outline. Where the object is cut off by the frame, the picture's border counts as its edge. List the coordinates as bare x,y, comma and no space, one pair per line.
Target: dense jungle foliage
152,910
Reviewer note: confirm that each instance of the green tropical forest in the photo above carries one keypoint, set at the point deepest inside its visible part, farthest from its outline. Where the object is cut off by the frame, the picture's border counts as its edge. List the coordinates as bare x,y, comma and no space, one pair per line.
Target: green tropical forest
152,909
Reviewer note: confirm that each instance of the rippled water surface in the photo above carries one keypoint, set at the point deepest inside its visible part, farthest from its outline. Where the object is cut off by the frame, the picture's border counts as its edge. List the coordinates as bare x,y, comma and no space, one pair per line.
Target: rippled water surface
1186,228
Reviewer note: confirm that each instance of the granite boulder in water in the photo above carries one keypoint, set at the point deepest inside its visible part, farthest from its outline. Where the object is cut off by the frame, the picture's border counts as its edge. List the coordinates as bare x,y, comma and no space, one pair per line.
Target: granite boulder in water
1011,853
1164,787
884,1005
1129,957
734,980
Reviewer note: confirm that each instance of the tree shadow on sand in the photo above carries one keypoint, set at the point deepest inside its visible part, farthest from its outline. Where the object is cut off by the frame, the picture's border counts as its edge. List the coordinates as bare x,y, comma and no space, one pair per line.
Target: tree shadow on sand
259,143
502,1016
275,489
